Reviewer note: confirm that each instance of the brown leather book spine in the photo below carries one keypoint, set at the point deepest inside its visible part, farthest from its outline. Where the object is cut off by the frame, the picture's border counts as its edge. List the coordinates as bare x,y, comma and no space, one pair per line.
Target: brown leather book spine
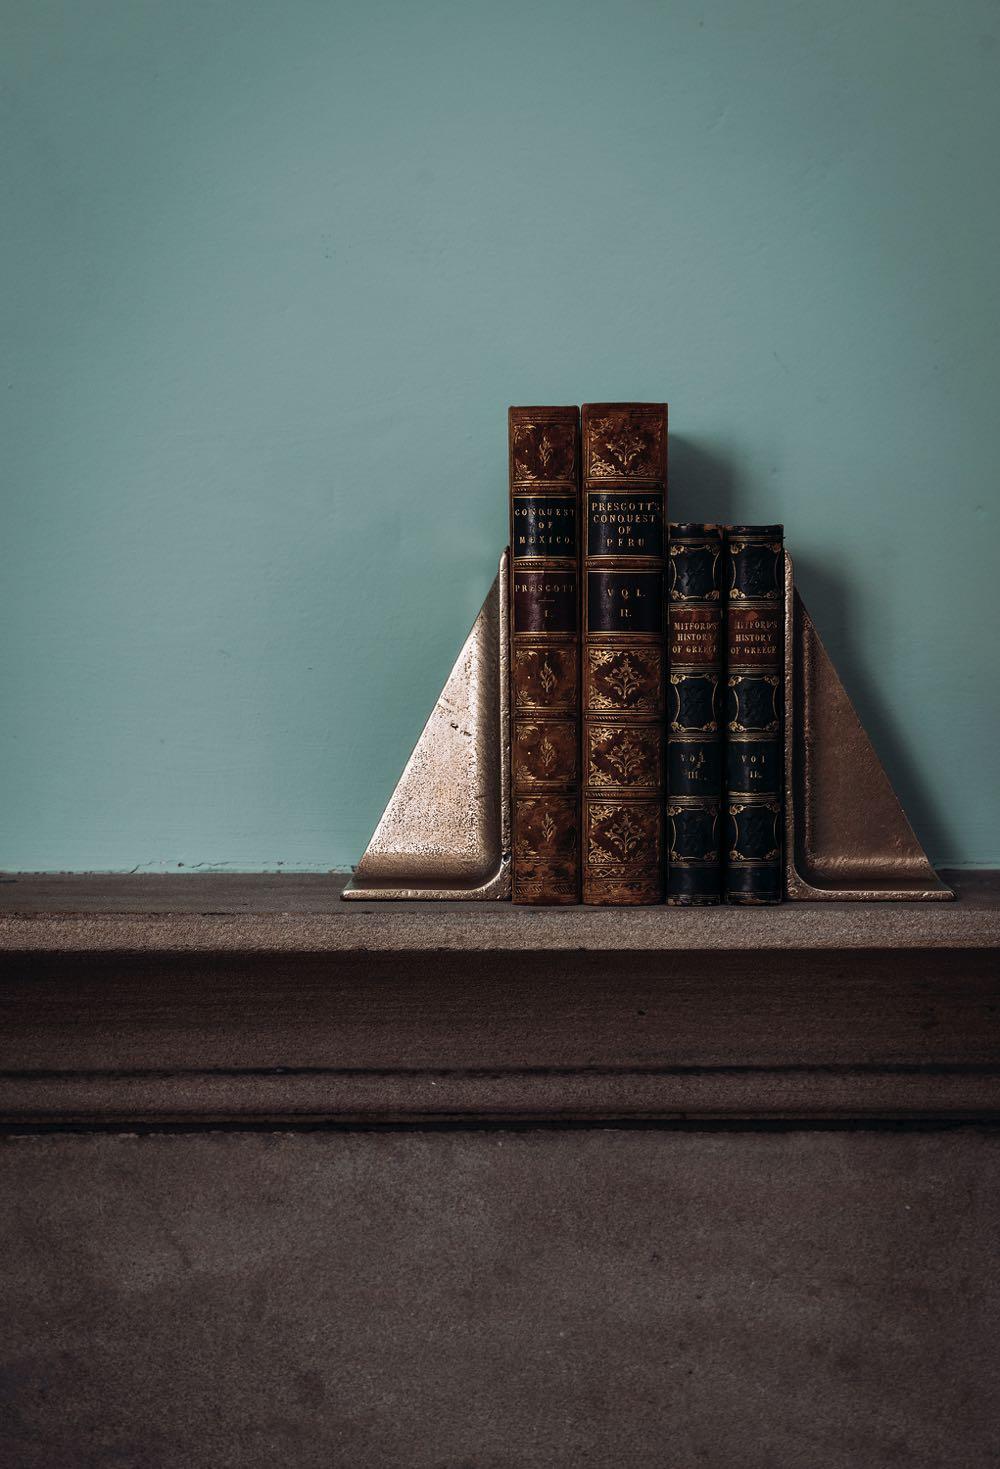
544,453
624,649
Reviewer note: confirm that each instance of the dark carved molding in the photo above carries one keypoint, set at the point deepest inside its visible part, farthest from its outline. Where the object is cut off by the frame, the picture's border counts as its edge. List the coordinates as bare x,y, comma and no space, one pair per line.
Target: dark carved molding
264,1001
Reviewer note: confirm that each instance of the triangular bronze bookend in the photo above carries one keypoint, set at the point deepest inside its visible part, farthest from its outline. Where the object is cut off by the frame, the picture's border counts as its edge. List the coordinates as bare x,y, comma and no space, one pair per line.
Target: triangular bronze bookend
847,838
445,833
446,830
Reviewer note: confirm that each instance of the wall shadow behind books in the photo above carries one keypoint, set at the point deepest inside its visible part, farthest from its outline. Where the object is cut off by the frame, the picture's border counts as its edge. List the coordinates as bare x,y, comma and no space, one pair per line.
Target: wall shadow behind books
705,485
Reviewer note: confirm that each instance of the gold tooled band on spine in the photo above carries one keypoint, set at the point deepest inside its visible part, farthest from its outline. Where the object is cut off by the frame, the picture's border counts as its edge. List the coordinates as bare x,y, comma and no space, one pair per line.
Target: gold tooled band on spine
544,461
624,648
754,714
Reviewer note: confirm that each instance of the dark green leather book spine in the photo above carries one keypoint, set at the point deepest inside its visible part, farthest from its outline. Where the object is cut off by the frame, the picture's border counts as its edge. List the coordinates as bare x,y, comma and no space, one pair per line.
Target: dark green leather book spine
755,598
694,717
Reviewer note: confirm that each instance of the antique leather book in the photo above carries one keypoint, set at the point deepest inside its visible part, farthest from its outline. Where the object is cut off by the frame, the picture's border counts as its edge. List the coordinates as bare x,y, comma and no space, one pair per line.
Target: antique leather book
544,457
625,488
694,716
755,599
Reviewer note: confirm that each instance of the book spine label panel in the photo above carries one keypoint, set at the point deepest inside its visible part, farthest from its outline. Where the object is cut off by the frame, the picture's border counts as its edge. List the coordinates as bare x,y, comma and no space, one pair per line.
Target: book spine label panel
694,719
625,483
544,447
754,714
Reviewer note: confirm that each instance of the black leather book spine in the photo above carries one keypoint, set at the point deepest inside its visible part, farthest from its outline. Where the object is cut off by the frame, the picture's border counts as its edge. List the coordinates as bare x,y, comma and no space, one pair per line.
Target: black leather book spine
755,597
544,453
694,718
624,637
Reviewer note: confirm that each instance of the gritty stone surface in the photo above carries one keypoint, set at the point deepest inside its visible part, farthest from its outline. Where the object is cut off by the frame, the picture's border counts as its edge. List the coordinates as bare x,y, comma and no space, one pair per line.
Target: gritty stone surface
264,914
499,1300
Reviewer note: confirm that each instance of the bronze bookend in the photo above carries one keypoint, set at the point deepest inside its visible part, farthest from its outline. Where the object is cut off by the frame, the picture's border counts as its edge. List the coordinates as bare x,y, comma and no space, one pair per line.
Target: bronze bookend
446,830
847,838
445,833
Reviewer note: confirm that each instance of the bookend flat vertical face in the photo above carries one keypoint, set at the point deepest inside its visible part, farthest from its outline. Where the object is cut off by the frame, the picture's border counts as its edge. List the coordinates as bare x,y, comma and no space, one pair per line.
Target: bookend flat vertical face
446,830
847,837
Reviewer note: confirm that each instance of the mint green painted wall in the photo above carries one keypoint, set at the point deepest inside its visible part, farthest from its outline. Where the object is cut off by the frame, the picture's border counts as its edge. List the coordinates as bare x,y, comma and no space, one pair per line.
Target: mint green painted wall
271,273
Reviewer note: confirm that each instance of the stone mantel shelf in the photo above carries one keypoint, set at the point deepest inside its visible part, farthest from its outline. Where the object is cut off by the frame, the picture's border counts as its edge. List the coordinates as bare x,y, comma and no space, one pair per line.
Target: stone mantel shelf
263,913
265,1001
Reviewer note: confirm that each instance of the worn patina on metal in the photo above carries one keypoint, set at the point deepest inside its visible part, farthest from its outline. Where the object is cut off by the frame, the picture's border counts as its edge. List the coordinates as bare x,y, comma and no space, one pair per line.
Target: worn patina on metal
446,830
847,837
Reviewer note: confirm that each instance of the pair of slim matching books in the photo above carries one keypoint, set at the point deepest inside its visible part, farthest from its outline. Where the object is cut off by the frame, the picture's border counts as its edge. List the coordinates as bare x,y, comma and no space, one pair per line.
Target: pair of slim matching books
646,753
